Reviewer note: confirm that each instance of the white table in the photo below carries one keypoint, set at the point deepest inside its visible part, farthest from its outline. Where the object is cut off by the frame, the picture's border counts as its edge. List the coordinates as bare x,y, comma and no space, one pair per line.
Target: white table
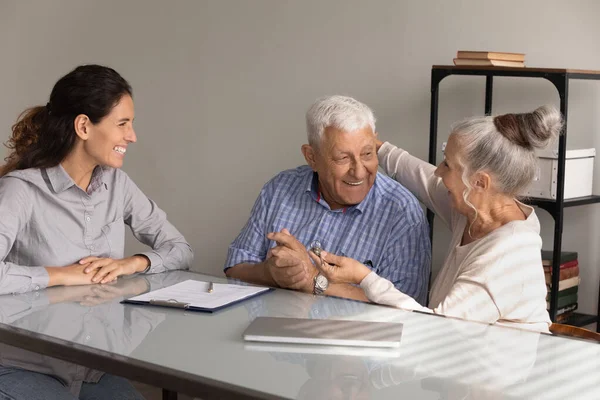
204,355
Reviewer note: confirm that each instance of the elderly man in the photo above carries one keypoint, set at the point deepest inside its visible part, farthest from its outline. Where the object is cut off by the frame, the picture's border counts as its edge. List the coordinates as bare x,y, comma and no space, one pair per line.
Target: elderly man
342,204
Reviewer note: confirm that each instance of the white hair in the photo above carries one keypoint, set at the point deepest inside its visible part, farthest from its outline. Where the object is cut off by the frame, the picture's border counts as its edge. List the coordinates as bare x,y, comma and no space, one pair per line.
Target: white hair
339,112
504,146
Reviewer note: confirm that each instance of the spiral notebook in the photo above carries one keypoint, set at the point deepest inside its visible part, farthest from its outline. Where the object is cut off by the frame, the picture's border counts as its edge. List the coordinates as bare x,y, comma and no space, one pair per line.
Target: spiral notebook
195,295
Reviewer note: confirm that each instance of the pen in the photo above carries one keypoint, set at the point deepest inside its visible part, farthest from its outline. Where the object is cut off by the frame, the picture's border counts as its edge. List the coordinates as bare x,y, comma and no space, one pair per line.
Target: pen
210,287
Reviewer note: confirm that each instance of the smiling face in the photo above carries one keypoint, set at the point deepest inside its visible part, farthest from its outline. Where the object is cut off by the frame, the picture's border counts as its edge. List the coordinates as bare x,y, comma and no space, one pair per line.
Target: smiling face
107,140
451,173
346,163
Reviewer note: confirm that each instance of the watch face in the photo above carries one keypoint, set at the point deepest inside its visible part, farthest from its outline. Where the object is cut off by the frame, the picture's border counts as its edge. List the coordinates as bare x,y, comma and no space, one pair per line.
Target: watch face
321,281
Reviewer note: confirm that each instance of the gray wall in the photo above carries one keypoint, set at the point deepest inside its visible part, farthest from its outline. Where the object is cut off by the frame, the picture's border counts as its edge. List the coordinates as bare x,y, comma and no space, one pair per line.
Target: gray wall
221,88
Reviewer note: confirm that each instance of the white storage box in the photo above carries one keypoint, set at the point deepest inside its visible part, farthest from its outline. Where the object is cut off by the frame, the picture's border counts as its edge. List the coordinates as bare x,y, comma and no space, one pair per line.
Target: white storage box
579,171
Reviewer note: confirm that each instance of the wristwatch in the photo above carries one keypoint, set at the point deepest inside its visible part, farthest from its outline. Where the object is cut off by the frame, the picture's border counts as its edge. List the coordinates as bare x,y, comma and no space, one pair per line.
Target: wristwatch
321,284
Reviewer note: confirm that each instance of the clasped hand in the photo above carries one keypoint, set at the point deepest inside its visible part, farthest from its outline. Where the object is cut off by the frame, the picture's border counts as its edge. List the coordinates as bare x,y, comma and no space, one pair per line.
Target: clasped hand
107,269
91,270
289,264
292,266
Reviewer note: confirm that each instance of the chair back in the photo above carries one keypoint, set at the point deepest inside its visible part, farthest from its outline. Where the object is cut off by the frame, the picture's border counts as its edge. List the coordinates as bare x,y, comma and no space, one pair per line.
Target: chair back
574,331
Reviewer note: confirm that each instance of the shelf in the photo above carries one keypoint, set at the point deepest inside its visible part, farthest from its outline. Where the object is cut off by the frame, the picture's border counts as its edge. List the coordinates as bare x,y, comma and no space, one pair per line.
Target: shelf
577,319
560,78
517,71
550,203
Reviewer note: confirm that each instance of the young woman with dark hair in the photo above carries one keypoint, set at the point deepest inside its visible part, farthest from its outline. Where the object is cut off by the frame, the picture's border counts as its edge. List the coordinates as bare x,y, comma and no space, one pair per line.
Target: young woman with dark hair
64,204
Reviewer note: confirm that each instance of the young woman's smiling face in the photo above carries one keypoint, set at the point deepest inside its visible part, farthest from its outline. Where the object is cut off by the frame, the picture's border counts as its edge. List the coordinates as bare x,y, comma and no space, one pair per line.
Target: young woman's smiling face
108,139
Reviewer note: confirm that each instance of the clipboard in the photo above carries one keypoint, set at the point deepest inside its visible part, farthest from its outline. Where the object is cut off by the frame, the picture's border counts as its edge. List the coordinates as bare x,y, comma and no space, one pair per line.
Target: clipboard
199,296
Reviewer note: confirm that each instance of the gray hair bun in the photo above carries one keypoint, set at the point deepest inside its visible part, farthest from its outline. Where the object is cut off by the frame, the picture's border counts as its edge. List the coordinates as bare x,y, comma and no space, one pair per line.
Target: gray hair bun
531,130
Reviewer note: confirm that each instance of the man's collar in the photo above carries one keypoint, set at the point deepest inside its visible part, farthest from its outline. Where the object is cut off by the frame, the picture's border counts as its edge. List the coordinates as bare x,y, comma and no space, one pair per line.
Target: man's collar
312,186
61,180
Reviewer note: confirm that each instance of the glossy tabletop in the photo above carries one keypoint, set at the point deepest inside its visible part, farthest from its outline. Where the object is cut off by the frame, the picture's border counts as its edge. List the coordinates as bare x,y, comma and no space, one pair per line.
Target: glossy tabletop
204,354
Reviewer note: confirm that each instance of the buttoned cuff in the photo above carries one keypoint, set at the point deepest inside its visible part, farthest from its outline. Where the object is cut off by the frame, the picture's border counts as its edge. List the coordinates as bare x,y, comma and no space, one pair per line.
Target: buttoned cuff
156,263
39,278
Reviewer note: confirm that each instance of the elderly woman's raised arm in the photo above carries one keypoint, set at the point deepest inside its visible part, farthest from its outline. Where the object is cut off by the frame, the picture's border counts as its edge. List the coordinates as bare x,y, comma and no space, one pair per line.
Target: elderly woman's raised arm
418,176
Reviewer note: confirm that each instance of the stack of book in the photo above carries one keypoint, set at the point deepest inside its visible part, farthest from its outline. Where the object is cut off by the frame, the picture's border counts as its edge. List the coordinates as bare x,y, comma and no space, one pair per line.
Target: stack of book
489,59
568,282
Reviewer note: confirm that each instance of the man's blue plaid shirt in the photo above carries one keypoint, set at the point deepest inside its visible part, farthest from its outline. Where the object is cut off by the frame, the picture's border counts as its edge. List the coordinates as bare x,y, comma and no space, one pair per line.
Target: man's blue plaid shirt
387,231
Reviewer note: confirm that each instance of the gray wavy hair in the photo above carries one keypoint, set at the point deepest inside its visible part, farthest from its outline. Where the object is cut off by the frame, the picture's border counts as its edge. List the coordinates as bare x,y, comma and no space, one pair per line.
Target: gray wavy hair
340,112
504,146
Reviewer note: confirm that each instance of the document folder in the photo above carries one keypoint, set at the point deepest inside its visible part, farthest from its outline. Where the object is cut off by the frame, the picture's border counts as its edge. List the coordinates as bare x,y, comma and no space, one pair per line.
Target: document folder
195,295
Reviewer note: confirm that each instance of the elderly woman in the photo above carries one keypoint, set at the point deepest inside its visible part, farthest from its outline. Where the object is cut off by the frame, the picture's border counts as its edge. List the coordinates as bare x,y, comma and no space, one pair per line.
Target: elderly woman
64,204
493,271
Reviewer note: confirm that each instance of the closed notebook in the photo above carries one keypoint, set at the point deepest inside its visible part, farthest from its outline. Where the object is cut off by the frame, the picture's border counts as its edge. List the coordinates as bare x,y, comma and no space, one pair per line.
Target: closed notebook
353,351
324,332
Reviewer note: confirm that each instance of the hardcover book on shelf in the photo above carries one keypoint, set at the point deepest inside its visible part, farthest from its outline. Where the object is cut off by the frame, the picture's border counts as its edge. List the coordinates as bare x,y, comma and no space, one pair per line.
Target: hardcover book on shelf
567,265
488,63
565,257
566,284
566,292
491,55
564,273
564,301
567,309
564,317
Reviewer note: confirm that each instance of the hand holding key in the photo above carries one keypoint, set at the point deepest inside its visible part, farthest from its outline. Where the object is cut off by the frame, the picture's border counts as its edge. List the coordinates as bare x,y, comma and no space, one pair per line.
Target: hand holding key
338,269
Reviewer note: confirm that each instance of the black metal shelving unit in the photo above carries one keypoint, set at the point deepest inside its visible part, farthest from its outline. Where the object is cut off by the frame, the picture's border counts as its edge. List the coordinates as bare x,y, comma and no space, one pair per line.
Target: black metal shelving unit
560,78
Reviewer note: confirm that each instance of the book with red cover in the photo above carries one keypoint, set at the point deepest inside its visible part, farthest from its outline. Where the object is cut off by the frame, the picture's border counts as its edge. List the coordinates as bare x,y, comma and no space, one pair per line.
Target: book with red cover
564,273
568,264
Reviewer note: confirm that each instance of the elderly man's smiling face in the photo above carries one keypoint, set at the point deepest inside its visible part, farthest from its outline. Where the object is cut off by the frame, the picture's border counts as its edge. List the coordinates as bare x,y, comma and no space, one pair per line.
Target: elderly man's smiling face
346,163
